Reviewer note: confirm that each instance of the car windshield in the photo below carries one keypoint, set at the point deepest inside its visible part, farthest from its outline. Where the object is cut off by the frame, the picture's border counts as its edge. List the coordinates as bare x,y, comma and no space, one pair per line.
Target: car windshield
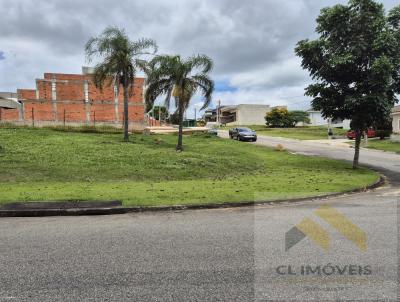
244,130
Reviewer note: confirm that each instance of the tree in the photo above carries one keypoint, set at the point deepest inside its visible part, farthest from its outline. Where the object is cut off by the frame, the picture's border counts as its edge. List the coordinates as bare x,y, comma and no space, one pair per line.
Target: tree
181,79
355,64
282,118
120,61
278,118
298,116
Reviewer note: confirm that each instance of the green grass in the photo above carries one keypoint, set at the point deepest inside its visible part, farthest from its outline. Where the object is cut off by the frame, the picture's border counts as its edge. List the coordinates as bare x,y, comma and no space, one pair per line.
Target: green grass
302,133
46,165
385,145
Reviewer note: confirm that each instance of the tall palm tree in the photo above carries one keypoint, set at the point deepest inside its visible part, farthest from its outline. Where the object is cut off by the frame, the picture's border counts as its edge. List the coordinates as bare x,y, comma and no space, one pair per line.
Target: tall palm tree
120,59
181,79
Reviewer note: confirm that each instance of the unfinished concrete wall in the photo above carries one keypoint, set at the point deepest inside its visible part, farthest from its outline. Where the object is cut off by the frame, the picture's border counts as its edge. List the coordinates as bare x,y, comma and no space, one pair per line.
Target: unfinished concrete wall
251,114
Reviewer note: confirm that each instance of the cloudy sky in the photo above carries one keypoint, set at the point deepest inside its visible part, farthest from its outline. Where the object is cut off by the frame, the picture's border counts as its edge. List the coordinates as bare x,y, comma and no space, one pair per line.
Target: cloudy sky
251,42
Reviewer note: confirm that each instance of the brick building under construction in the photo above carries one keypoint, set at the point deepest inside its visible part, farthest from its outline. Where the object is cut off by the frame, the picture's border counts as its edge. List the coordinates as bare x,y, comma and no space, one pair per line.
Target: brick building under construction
72,99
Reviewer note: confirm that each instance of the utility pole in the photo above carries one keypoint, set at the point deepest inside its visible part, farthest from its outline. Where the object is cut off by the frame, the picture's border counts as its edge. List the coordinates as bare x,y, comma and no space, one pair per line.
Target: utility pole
195,117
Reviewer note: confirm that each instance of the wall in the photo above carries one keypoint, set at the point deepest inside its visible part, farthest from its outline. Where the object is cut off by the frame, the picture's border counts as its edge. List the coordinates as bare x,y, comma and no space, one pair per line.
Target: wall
317,119
73,99
396,122
251,114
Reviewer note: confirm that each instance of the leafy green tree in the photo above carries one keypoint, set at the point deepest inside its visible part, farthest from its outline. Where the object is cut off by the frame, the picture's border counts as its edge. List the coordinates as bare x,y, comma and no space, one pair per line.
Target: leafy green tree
355,64
298,116
282,118
181,79
278,118
120,59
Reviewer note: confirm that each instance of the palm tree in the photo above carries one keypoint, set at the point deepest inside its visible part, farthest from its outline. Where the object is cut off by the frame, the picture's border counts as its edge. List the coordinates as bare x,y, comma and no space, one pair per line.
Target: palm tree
181,79
120,61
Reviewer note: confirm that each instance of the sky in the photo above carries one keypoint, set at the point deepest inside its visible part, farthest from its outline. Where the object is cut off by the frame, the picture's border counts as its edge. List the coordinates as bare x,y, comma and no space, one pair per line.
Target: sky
251,42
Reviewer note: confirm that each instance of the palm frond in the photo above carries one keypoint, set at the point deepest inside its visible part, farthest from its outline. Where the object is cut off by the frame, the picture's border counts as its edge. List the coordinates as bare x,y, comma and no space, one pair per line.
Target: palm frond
202,62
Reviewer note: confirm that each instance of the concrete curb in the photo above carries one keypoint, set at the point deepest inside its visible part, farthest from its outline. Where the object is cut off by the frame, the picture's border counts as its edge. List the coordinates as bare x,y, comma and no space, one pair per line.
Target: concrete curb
123,210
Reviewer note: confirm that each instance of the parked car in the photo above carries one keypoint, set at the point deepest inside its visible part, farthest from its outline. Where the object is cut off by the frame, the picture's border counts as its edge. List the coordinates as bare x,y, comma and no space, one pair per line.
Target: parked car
243,134
370,133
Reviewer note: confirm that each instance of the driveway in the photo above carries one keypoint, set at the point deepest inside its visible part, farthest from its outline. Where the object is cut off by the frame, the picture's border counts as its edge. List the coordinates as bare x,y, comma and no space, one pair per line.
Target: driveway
215,255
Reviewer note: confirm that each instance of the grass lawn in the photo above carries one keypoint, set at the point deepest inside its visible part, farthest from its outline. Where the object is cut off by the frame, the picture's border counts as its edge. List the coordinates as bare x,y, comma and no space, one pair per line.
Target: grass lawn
303,133
48,165
385,145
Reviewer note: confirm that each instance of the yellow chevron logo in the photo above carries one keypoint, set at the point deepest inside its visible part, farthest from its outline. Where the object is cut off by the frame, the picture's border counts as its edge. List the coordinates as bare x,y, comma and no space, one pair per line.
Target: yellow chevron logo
309,228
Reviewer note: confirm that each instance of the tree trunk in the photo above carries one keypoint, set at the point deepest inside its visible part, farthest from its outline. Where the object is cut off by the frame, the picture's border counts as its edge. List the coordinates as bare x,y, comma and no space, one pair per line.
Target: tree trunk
179,146
357,149
126,110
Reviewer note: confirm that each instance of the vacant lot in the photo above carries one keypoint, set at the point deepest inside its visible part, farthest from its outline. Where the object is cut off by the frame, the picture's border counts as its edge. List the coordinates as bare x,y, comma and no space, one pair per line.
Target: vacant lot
43,164
303,133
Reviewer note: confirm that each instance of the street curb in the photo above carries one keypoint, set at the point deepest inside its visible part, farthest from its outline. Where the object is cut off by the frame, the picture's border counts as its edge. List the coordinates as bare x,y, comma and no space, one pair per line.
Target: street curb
123,210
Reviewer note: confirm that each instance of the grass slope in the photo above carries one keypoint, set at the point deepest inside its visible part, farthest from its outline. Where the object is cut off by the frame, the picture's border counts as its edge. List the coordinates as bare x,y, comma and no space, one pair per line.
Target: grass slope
44,164
385,145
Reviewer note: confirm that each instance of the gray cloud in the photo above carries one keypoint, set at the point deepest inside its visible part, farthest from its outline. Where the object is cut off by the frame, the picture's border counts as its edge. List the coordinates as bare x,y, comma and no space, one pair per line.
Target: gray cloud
2,57
250,41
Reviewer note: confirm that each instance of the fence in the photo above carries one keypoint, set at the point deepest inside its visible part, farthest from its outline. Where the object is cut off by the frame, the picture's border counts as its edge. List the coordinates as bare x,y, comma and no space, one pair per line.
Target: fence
75,113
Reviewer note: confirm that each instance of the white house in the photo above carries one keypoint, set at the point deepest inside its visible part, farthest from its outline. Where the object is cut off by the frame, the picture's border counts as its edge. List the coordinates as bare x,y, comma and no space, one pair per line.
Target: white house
396,124
244,114
316,119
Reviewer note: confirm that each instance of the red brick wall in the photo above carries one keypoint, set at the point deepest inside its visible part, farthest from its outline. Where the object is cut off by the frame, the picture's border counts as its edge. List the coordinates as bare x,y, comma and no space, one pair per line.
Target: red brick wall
70,101
26,94
10,115
74,112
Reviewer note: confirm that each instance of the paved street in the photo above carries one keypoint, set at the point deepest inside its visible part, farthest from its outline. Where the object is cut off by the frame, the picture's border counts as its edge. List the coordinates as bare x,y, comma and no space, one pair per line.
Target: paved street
208,255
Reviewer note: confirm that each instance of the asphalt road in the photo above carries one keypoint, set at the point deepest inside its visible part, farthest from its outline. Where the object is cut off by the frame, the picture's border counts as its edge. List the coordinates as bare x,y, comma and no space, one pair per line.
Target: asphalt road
212,255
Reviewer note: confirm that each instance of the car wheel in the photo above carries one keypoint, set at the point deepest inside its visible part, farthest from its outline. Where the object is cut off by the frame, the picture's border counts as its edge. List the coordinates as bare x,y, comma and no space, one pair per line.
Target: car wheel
254,140
238,138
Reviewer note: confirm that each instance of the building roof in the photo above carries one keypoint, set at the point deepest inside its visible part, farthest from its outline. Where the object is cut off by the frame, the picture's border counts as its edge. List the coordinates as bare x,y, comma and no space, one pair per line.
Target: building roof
8,103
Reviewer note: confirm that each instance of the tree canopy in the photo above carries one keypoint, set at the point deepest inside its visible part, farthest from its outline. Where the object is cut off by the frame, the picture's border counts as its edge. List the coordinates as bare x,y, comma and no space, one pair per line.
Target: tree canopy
282,118
355,63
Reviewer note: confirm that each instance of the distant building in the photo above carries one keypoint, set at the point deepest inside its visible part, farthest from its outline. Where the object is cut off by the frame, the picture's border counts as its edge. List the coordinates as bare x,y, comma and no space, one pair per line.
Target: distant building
316,119
396,123
210,115
244,114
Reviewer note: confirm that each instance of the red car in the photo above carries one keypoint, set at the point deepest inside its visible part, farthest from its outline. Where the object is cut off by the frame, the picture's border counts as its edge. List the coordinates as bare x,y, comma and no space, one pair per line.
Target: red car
370,133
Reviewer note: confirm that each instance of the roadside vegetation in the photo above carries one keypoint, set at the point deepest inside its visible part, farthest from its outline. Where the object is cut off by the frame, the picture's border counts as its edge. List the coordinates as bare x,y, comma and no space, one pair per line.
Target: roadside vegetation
49,165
